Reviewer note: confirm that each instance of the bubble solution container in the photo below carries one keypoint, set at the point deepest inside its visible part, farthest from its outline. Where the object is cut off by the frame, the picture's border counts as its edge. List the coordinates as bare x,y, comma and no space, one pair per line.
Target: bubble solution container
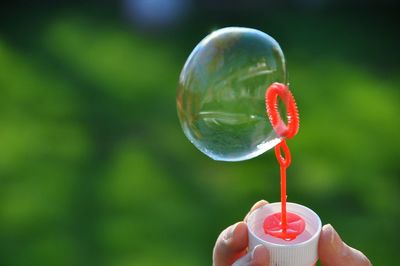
302,251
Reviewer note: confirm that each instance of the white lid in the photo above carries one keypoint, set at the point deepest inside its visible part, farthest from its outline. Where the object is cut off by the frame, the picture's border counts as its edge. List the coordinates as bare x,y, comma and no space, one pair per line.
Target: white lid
302,251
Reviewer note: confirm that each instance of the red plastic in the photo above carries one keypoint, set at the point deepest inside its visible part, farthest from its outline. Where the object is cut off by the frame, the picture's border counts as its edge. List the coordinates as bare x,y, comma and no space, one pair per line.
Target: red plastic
271,101
295,225
284,163
283,225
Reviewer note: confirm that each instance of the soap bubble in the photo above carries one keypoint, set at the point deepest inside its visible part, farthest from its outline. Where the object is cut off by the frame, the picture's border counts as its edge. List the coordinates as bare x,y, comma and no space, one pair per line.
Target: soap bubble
221,93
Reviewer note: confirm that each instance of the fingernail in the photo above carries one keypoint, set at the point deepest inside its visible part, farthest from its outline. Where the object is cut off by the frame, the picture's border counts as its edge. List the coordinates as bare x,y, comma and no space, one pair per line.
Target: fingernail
229,232
334,239
257,205
263,201
256,251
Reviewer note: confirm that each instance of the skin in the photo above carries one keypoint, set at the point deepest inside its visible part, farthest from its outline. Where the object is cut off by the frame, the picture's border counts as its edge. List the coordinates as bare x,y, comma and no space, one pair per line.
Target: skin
233,241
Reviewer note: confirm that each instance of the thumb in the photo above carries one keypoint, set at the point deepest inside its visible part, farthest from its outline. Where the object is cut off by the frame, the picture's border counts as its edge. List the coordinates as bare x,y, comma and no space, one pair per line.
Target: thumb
231,245
333,251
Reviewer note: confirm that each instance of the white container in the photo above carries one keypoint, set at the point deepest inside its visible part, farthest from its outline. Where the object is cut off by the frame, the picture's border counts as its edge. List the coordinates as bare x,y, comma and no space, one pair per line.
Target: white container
302,251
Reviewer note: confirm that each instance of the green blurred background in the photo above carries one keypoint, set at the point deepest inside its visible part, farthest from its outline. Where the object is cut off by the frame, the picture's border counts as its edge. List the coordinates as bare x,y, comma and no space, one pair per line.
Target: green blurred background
95,169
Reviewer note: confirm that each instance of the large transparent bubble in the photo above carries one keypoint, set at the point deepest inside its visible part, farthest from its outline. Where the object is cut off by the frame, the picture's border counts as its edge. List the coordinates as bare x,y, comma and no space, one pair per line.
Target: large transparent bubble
221,94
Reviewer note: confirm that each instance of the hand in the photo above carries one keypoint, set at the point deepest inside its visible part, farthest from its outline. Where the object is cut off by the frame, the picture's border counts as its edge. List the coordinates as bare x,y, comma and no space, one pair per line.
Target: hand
232,244
332,251
233,241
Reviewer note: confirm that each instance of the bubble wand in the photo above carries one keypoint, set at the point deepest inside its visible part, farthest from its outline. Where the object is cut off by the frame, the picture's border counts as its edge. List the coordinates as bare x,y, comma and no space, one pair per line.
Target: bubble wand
278,225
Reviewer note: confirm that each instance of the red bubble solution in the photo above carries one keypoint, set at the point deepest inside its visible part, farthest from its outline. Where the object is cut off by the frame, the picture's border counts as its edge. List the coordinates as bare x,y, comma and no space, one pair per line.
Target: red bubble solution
284,225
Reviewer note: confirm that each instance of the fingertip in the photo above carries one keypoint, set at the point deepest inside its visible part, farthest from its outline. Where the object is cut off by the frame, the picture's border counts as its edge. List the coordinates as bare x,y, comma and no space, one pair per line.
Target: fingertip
239,237
235,238
333,251
329,236
227,234
259,256
231,244
329,244
257,205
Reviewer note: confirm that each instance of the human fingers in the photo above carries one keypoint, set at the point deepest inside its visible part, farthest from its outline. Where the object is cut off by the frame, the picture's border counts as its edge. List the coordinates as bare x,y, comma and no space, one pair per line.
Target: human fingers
257,205
231,244
333,251
258,257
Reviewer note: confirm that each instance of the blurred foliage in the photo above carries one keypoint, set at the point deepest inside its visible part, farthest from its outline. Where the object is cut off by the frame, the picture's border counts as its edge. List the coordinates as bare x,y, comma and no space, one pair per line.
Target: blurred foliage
95,170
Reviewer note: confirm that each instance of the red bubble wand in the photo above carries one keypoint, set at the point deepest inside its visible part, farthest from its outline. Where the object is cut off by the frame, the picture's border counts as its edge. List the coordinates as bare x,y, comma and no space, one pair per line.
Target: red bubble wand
283,225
